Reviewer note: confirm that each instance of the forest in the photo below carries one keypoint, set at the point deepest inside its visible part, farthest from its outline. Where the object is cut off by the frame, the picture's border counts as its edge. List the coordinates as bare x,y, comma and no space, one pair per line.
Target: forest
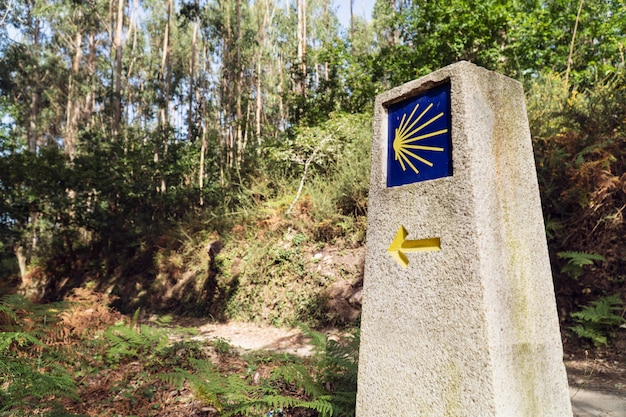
202,157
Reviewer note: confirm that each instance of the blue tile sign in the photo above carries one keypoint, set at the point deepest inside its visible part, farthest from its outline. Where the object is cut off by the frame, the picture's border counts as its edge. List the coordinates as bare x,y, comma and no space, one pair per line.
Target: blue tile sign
420,147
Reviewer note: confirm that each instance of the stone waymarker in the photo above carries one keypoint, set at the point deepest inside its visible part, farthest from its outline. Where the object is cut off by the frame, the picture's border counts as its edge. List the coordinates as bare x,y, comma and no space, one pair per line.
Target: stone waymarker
459,315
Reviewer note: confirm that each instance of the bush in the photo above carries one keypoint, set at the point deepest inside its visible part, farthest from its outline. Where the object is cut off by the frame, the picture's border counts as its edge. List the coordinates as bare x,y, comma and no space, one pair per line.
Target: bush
579,139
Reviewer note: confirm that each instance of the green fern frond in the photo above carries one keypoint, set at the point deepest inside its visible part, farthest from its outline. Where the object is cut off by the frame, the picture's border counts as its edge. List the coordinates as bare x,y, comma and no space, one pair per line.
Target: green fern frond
345,355
21,379
301,377
16,307
581,258
176,378
29,378
589,333
7,307
259,406
134,322
127,341
317,340
599,320
577,260
20,339
164,320
602,311
207,384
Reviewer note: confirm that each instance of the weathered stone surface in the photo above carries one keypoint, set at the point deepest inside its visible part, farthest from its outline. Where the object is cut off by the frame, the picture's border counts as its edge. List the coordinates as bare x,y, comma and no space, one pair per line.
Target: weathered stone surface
470,330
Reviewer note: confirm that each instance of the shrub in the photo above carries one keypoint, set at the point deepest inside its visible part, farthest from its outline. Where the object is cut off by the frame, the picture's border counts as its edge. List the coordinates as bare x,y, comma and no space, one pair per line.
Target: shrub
578,138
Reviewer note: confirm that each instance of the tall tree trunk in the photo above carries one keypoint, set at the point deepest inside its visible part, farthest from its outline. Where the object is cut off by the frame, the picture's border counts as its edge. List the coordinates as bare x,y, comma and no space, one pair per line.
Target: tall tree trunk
165,68
22,261
117,91
281,98
351,18
204,135
132,32
239,88
228,79
73,108
259,100
165,75
35,97
302,46
259,76
23,250
192,71
90,98
571,46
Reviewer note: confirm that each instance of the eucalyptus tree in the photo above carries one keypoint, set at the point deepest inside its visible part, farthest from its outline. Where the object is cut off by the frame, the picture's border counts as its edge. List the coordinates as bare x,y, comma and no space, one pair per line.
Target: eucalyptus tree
229,30
21,73
415,38
588,37
518,37
29,76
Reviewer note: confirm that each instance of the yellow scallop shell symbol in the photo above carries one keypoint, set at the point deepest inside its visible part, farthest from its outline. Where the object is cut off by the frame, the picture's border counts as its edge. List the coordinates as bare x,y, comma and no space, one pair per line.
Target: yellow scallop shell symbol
407,134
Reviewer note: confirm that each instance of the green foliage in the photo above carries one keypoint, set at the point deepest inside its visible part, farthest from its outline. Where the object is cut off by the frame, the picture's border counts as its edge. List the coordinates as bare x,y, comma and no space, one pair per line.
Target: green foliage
600,320
348,181
576,261
133,341
277,285
326,386
30,376
578,140
208,384
232,395
267,403
221,345
221,123
34,375
336,184
336,366
522,39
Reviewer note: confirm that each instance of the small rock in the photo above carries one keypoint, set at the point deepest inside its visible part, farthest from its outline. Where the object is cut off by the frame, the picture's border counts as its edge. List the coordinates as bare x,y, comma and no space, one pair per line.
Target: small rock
356,299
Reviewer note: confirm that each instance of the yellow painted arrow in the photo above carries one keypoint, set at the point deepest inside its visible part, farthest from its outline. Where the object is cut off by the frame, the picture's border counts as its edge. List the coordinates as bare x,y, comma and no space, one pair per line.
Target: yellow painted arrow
400,245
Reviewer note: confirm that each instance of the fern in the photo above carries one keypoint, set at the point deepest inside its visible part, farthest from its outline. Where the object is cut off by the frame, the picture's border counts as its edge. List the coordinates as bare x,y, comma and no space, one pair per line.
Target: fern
577,260
29,378
259,407
207,384
27,381
337,367
234,395
599,320
590,333
127,342
301,378
326,386
18,339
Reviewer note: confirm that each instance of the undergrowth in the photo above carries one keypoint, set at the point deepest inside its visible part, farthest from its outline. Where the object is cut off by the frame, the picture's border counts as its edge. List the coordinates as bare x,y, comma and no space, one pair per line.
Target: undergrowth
51,367
31,379
578,137
600,320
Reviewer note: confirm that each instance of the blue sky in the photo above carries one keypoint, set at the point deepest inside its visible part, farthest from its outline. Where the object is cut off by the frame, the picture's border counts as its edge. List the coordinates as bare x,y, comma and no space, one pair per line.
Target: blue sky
360,8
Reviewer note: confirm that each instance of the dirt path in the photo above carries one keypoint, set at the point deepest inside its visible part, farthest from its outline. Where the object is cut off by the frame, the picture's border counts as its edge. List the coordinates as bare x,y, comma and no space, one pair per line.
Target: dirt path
597,387
250,336
246,336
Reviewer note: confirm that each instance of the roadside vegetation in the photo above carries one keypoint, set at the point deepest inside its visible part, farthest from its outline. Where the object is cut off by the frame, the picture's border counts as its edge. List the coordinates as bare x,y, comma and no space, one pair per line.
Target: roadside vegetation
80,358
211,159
